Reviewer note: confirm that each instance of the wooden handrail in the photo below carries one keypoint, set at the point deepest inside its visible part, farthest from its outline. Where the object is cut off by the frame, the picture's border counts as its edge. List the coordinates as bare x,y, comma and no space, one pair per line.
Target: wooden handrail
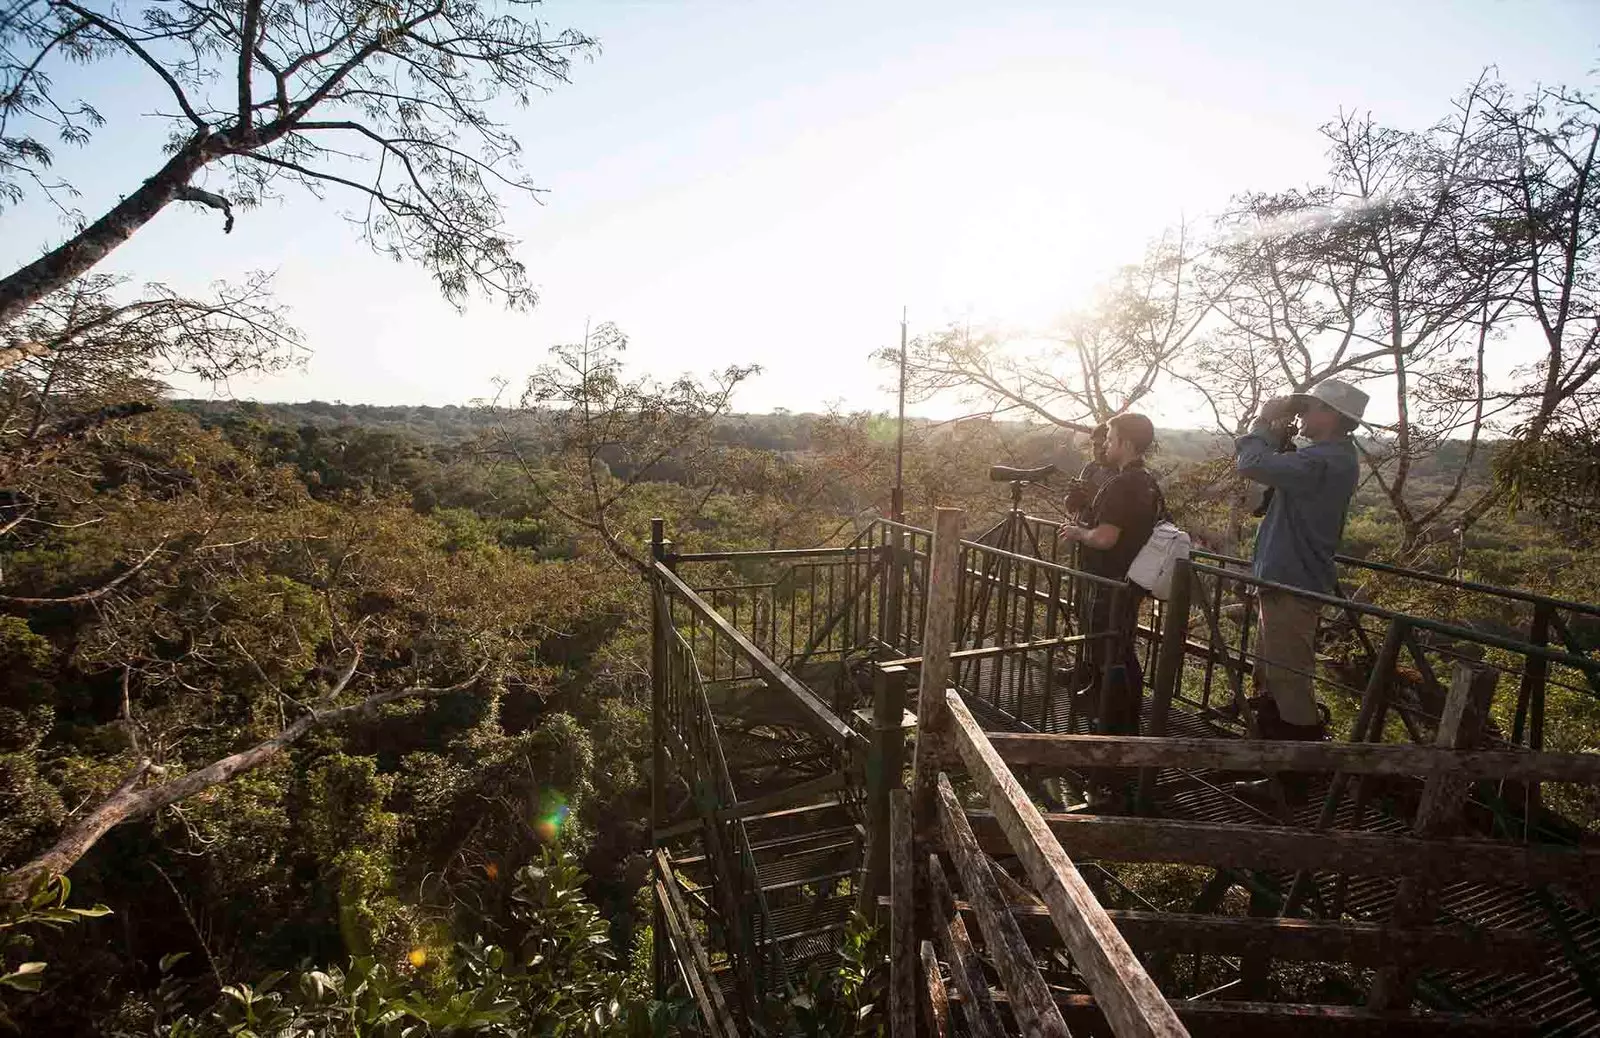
1131,1000
691,953
1131,751
1288,848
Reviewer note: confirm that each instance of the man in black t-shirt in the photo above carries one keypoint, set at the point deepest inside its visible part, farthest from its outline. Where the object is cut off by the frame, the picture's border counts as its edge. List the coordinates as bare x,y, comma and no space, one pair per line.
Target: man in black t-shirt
1118,525
1095,475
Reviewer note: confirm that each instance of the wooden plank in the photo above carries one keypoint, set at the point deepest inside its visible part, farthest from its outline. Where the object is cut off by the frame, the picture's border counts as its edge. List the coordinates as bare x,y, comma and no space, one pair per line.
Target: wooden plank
1031,1003
1132,1001
956,943
1466,711
1355,758
1313,940
815,713
1292,848
938,1000
902,920
939,613
1297,1020
713,1007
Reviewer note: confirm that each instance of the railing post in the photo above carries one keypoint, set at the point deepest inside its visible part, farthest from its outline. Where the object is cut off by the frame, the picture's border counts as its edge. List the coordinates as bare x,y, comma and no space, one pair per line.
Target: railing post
1529,719
1173,648
658,768
1368,727
937,630
893,578
885,763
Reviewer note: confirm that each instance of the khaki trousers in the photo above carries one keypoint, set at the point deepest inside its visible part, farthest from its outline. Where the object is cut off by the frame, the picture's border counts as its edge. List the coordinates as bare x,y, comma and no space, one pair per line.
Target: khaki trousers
1286,650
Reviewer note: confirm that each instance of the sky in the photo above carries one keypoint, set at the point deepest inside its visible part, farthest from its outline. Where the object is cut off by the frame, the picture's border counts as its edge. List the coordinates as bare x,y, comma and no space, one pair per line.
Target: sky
771,182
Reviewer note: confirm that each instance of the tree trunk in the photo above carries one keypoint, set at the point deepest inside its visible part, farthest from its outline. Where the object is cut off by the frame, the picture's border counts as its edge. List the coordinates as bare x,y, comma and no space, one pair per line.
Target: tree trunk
129,803
79,254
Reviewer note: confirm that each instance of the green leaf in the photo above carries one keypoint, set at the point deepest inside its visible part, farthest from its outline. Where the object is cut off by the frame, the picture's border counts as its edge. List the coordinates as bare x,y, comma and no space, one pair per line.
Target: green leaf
26,977
172,959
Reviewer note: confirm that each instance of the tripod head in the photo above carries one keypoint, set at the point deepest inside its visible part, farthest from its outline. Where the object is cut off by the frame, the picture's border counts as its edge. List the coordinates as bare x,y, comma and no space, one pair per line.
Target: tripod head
1019,478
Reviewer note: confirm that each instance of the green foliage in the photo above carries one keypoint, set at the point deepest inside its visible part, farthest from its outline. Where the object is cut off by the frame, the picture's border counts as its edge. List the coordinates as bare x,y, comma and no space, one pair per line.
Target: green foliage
556,976
44,908
850,1001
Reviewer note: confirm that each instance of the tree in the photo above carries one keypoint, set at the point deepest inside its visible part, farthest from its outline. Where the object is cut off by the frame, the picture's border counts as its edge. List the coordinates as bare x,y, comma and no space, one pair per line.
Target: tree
394,103
1095,364
590,437
80,351
1544,179
231,618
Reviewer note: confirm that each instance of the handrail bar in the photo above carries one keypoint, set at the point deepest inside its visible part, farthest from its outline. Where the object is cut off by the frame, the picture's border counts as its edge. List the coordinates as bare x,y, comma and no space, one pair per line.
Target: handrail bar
1565,659
818,716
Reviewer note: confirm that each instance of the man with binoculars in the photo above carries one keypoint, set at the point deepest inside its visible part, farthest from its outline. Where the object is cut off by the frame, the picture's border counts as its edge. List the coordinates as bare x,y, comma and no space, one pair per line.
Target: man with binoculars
1297,540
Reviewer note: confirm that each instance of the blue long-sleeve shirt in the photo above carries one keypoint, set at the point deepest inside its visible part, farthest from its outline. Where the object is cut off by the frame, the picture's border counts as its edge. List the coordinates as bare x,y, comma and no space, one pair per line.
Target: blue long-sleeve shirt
1305,522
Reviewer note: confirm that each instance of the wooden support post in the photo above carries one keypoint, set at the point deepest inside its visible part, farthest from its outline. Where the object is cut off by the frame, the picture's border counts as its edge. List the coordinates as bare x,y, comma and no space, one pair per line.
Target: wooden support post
1255,965
938,1000
1031,1001
1169,668
692,955
902,920
1438,814
937,630
1374,701
885,765
1131,999
956,943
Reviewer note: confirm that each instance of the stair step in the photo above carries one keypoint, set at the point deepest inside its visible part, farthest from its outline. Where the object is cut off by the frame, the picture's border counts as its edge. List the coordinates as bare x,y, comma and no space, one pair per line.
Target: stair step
805,881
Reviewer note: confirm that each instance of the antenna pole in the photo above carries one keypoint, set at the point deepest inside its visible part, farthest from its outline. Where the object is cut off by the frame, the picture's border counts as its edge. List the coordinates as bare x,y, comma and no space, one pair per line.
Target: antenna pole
897,501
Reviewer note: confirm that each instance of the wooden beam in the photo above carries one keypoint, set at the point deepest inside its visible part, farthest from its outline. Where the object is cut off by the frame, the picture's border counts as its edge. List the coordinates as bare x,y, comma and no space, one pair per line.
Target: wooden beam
1099,953
816,714
956,943
902,920
1031,1003
1466,710
938,999
1293,1020
1355,758
1314,940
697,969
939,616
1292,848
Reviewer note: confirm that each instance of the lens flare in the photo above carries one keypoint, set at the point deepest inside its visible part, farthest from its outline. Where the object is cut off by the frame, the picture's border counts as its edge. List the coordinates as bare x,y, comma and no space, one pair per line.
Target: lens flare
552,818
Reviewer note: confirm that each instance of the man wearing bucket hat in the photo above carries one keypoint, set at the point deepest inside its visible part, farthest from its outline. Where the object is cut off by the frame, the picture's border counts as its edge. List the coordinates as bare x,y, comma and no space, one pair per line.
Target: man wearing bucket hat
1298,539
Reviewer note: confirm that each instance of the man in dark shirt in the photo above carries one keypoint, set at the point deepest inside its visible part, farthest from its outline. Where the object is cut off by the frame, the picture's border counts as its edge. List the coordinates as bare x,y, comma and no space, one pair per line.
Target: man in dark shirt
1118,524
1095,475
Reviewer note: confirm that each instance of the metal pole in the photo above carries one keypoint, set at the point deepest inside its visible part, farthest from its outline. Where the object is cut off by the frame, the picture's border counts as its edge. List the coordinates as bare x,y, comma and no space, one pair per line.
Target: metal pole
897,504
